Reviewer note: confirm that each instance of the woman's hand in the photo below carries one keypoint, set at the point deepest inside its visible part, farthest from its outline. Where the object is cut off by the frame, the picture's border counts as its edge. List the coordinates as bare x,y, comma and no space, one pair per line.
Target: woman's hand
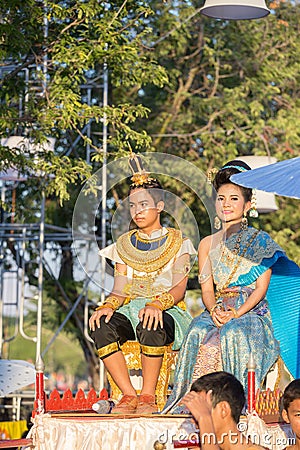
95,317
151,316
227,316
218,316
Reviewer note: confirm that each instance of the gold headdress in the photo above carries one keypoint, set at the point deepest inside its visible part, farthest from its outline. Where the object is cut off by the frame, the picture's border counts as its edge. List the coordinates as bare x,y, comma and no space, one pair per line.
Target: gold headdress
140,176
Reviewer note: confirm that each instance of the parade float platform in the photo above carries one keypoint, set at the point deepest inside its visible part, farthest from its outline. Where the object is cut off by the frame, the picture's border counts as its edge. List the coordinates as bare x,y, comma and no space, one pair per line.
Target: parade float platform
69,423
90,431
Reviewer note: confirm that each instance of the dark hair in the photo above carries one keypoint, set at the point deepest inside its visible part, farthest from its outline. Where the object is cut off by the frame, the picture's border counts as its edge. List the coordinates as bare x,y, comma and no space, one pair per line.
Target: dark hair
154,188
224,174
291,393
225,387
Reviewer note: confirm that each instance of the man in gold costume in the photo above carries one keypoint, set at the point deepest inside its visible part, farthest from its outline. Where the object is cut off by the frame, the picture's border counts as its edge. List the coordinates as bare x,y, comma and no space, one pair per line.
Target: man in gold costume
147,300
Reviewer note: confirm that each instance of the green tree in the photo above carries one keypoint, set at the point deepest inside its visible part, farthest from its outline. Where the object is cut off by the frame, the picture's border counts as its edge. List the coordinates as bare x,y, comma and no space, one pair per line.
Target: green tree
50,54
233,90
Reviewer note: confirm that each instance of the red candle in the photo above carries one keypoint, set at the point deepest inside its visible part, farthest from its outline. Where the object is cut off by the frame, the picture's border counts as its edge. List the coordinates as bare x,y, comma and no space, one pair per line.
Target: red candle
251,366
39,386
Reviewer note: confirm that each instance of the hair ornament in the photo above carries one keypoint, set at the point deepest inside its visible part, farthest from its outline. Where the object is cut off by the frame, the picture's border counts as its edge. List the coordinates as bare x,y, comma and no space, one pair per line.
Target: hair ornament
211,174
240,168
140,176
253,211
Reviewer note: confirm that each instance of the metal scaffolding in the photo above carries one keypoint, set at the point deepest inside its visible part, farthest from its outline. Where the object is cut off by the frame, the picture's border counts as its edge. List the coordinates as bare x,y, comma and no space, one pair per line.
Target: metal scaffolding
14,238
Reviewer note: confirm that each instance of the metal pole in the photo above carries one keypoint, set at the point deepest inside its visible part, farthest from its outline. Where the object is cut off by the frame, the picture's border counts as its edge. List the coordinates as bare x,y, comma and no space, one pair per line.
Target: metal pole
104,177
1,271
104,199
40,280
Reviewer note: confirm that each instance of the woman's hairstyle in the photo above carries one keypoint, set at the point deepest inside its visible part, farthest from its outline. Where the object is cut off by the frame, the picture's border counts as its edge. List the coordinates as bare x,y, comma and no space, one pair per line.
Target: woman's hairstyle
225,387
231,168
291,393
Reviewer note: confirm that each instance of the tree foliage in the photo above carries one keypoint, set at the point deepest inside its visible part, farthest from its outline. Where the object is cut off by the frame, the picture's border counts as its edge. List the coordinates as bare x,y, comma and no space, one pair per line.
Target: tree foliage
56,50
233,90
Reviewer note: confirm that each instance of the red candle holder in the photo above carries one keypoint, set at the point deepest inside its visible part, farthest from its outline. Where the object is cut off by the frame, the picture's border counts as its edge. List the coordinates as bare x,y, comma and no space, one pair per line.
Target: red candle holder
251,366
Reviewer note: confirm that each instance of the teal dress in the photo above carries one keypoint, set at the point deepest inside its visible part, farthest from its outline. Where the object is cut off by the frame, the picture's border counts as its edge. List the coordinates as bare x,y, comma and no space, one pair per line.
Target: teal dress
271,328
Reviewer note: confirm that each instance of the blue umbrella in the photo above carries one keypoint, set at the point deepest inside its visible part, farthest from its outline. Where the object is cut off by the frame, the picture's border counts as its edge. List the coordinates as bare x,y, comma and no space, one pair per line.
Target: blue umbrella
281,178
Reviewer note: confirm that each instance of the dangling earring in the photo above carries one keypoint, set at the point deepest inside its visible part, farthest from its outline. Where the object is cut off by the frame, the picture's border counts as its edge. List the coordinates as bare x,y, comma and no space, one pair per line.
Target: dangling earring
253,211
217,223
244,222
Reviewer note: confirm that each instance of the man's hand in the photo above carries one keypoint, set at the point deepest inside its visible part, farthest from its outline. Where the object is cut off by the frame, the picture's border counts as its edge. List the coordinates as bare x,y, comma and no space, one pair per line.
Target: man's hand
95,317
199,403
151,317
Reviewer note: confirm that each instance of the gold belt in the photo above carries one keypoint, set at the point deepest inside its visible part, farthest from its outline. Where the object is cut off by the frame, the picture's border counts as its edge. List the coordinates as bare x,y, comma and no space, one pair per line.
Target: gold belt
180,304
226,294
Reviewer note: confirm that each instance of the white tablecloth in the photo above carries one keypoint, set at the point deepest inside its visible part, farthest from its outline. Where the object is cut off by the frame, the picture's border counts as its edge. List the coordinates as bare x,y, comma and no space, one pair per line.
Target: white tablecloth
140,433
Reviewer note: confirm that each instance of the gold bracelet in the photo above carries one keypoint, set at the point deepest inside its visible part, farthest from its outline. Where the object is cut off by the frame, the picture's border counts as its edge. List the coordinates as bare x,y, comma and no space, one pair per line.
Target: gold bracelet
216,305
166,300
235,314
114,301
154,305
104,306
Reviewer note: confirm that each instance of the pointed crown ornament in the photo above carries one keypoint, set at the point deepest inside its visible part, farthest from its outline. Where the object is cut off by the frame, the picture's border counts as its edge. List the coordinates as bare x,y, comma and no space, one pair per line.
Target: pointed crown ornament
139,174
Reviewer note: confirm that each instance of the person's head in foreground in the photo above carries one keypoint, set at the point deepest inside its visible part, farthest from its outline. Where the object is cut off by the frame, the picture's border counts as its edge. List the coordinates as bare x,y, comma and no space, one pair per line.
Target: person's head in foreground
216,401
291,408
226,392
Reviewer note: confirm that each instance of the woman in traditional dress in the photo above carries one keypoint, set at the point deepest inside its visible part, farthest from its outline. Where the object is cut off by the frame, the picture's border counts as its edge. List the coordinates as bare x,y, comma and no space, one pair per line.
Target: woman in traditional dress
147,300
236,265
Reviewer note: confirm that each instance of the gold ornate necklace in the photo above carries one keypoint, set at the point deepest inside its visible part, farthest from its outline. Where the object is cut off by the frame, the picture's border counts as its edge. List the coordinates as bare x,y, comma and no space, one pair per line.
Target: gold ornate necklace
152,260
151,243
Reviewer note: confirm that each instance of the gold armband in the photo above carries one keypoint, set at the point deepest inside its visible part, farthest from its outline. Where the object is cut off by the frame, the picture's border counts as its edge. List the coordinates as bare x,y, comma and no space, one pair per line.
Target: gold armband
166,300
202,277
118,273
154,305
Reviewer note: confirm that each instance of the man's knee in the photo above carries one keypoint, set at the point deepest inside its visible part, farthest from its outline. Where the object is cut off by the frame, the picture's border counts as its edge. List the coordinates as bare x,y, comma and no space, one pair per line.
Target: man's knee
153,342
151,337
99,335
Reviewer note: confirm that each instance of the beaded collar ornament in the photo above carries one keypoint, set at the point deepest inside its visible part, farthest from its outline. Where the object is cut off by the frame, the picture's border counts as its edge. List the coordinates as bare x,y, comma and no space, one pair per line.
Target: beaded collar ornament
152,260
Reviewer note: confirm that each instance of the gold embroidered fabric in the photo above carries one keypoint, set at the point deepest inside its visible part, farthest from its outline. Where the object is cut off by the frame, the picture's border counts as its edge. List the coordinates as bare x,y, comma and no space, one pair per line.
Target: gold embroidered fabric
141,286
208,359
153,260
152,351
108,349
253,256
